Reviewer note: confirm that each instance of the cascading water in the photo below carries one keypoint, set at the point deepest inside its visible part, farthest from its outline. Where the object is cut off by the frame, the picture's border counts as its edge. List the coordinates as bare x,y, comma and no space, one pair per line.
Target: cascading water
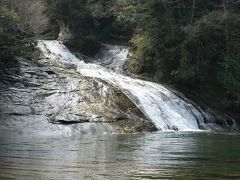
112,57
161,106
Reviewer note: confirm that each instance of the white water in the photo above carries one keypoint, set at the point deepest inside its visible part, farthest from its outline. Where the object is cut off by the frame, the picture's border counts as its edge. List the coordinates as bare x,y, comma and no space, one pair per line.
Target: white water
112,57
166,110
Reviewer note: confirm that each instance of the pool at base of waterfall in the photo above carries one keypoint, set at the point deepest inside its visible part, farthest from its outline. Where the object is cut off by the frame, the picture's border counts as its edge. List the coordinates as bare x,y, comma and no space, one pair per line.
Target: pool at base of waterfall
159,155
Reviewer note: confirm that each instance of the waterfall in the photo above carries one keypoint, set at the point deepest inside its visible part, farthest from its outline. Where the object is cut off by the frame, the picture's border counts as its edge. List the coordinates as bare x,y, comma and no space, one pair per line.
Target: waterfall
163,107
112,57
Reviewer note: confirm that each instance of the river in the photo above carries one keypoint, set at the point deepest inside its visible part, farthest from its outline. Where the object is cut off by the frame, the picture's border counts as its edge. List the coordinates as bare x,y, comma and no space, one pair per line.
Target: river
159,155
33,146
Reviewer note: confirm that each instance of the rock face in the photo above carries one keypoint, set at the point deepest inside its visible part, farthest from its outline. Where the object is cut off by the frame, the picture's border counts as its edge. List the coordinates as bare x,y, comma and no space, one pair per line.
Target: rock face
49,98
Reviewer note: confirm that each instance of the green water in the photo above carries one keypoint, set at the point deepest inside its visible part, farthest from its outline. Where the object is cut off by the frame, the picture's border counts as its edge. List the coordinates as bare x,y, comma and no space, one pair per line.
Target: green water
172,155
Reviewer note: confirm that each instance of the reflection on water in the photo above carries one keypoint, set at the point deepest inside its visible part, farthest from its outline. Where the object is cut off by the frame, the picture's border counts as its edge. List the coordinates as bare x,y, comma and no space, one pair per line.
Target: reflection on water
172,155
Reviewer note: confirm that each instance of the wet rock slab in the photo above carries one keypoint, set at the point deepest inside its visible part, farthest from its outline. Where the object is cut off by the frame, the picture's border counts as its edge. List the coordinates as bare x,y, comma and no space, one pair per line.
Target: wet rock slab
46,97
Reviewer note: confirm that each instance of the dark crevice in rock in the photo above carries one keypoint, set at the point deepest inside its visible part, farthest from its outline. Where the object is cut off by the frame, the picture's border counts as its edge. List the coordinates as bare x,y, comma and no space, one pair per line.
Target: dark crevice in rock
69,122
50,72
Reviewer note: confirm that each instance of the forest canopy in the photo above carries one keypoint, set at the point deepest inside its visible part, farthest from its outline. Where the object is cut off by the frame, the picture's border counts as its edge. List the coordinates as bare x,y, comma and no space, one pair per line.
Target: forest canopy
193,45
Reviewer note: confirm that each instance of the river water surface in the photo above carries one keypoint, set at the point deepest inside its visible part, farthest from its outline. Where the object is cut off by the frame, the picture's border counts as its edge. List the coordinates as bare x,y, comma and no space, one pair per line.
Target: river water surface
50,151
160,155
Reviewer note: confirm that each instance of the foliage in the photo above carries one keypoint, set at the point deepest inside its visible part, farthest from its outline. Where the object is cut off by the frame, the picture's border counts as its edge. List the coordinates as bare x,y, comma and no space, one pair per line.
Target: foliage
15,37
77,16
193,45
